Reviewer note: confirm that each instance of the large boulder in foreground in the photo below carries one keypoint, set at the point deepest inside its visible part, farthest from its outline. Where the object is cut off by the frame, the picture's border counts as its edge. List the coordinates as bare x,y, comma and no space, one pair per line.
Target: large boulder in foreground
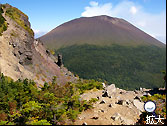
109,91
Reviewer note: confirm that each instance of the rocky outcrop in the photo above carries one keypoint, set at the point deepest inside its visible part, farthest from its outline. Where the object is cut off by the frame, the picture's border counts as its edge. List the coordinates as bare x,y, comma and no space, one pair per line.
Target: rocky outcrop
21,56
109,90
117,107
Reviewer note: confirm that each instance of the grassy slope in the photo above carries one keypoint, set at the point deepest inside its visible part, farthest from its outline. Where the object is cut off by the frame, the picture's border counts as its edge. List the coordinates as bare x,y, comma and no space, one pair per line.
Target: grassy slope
3,24
15,14
127,67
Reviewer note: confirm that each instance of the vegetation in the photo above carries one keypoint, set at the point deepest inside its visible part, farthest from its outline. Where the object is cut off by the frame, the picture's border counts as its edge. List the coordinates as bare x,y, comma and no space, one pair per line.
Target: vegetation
160,100
126,66
3,24
22,103
16,15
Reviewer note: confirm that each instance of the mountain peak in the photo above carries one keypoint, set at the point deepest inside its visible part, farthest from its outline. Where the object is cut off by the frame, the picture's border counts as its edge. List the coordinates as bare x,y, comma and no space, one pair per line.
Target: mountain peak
98,30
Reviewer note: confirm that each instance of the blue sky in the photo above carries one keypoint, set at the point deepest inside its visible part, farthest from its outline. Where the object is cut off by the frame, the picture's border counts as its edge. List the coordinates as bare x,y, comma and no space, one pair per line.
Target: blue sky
44,15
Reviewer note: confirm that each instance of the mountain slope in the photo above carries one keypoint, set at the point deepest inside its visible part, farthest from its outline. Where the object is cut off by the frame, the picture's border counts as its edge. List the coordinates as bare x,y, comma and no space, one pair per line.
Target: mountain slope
110,49
127,67
21,56
99,30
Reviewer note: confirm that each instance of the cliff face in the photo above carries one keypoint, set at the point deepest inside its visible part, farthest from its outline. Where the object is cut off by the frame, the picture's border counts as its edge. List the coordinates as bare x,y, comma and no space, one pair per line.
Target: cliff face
21,56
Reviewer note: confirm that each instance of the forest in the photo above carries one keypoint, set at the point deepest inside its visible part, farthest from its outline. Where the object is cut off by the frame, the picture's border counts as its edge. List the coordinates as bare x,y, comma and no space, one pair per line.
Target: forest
126,66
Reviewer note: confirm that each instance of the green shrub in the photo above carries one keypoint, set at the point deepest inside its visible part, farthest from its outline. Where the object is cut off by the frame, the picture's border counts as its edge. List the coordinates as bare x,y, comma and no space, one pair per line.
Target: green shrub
40,122
15,14
3,24
21,102
160,101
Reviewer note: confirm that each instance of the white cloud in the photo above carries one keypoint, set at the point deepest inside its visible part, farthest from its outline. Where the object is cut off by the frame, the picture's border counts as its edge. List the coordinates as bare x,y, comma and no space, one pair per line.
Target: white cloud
93,3
133,10
153,24
36,31
96,9
39,33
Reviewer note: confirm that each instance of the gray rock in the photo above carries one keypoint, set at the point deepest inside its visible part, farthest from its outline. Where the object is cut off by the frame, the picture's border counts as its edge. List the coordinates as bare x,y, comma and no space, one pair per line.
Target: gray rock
110,89
139,105
136,92
116,116
146,94
138,98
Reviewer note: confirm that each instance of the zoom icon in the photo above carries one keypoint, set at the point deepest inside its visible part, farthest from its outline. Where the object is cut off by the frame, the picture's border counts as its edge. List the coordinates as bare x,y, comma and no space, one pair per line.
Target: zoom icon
150,106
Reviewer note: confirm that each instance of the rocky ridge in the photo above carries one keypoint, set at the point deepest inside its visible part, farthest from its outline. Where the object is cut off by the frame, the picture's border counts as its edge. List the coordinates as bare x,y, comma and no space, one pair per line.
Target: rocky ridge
21,56
114,107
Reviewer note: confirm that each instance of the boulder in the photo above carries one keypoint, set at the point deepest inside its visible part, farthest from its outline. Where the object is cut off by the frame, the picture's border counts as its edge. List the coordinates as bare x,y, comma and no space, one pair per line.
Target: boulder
110,89
139,105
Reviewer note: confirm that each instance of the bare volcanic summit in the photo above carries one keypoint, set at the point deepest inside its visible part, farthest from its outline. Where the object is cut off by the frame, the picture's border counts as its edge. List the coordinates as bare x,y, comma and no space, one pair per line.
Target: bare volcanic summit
98,30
